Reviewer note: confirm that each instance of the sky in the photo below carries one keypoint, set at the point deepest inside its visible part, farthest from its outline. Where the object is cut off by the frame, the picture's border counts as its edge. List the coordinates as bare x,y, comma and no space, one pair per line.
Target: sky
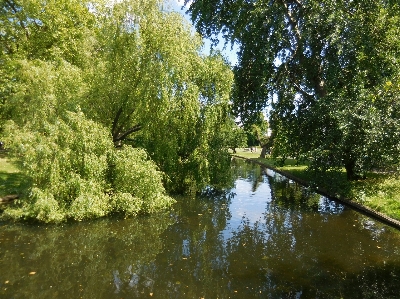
229,53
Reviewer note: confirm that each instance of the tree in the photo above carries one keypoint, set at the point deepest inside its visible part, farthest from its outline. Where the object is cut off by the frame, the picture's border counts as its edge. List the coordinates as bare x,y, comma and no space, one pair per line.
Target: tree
44,49
73,175
236,135
126,74
186,142
320,65
258,132
154,90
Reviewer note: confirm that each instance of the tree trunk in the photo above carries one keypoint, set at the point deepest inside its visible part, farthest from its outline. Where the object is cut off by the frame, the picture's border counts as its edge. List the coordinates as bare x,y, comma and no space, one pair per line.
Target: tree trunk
350,166
263,150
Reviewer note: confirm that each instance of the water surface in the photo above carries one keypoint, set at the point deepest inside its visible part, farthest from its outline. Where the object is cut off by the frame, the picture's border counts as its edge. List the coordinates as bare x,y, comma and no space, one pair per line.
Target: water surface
265,238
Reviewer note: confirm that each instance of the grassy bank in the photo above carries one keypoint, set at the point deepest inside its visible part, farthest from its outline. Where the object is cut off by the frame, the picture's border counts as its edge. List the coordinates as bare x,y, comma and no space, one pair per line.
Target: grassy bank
380,191
10,178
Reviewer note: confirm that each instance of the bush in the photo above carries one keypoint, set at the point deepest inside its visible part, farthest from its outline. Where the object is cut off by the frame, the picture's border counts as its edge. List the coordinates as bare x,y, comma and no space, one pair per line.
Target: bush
75,172
133,173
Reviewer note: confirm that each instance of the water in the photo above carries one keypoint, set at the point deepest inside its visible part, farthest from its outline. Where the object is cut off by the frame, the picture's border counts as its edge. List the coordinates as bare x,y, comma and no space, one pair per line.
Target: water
265,238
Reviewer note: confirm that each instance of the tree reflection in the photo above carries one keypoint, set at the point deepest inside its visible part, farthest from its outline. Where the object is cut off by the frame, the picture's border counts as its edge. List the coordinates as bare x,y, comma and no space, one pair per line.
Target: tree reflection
310,251
246,170
305,246
78,260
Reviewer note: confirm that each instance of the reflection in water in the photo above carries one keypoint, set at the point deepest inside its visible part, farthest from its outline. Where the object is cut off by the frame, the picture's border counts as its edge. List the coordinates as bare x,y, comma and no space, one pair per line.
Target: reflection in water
265,238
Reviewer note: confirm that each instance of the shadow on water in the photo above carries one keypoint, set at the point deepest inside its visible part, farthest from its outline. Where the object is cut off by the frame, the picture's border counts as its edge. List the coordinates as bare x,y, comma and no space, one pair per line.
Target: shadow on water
265,238
88,260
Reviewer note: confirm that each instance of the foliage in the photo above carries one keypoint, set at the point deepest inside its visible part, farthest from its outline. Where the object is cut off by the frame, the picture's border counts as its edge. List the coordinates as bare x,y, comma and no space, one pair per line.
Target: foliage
168,97
325,68
186,141
42,90
49,30
134,73
141,75
74,172
258,134
236,135
136,183
144,69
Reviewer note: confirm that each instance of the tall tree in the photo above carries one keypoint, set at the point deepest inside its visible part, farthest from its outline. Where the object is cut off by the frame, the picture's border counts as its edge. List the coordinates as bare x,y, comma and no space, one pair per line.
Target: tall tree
44,48
320,64
81,77
153,89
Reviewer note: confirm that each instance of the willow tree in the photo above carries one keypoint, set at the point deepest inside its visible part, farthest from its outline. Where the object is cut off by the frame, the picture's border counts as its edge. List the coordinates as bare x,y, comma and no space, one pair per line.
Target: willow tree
324,66
85,82
44,47
153,89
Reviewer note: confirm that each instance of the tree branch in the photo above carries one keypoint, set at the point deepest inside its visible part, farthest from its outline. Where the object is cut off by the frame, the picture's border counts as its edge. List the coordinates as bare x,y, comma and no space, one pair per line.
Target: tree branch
123,135
114,129
12,6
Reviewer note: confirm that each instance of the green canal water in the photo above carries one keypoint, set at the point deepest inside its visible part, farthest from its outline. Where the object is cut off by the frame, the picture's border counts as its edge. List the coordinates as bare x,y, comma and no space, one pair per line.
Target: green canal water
264,238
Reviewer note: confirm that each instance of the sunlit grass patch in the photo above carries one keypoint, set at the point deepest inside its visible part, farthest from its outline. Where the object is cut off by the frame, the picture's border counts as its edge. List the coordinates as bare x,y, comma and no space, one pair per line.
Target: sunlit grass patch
7,166
10,177
380,192
247,153
289,164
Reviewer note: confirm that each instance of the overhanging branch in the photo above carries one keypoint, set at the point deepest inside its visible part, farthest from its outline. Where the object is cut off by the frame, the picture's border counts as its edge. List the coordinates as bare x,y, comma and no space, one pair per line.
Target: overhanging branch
123,135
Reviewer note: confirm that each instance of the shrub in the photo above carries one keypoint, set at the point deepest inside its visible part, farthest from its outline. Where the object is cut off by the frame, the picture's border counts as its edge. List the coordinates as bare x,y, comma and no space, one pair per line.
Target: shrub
75,172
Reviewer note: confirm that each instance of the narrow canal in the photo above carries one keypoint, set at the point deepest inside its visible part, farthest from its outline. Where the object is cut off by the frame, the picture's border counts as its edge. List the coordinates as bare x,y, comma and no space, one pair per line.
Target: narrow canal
264,238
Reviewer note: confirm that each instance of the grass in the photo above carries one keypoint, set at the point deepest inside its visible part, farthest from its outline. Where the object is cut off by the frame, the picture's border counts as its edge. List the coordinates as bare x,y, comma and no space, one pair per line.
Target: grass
290,165
379,191
11,179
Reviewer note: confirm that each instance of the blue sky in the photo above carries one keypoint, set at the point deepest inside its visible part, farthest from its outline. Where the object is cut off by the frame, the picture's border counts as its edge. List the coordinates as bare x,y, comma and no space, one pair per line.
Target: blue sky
229,53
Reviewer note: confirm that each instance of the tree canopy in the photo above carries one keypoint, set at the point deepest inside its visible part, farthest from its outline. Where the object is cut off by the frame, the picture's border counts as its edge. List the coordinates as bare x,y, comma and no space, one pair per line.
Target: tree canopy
327,68
83,77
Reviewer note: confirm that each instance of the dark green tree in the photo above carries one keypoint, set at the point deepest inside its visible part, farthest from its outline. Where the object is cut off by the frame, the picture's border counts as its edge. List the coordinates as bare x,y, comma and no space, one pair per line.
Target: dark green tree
324,67
235,134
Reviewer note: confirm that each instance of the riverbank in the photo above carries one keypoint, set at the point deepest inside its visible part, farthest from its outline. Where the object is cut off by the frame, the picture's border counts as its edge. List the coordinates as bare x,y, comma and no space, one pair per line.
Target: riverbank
10,180
377,196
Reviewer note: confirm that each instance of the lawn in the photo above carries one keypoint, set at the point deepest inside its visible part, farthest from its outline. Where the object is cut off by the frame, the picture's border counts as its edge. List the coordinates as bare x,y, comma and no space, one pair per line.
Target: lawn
10,178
